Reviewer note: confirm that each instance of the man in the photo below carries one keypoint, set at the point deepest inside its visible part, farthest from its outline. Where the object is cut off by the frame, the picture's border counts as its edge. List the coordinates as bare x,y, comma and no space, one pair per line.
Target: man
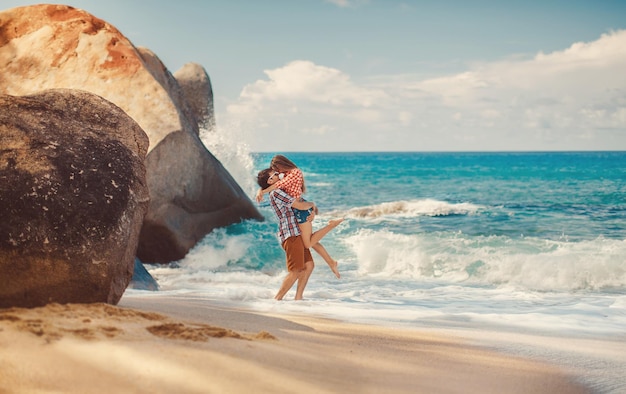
300,263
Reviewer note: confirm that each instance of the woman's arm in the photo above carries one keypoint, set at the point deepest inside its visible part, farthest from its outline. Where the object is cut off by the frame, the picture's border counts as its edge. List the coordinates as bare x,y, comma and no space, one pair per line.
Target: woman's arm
261,192
291,183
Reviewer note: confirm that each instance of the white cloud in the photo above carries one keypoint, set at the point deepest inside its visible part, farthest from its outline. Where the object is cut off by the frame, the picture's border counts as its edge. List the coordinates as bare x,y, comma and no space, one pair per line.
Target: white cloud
347,3
405,117
304,80
582,74
569,99
339,3
322,130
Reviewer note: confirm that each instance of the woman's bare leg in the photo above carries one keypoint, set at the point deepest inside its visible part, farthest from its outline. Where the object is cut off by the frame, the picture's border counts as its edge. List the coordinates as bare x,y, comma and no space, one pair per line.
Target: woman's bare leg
309,239
306,229
332,264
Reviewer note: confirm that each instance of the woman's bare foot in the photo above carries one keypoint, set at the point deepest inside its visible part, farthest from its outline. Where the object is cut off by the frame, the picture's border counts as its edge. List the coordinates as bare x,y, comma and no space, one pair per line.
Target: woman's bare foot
335,269
334,223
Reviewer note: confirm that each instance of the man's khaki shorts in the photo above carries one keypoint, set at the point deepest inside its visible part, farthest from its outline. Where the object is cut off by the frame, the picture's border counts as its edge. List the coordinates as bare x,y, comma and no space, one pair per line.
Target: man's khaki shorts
296,253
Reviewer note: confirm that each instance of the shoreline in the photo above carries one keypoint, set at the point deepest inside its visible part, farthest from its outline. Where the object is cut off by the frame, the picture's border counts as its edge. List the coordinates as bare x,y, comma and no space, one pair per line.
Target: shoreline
167,344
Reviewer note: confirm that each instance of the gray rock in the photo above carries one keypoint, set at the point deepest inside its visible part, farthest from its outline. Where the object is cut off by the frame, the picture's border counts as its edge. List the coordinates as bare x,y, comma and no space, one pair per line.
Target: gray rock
142,280
73,195
191,194
196,86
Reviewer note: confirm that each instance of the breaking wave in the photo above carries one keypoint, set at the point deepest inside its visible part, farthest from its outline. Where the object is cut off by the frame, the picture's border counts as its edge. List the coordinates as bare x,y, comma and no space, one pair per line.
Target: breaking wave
412,208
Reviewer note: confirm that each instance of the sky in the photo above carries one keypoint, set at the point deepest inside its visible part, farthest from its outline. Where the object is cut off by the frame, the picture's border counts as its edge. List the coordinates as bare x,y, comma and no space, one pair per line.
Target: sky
387,75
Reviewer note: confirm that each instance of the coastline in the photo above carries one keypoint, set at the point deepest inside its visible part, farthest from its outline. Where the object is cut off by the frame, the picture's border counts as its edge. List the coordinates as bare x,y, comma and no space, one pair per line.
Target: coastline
166,344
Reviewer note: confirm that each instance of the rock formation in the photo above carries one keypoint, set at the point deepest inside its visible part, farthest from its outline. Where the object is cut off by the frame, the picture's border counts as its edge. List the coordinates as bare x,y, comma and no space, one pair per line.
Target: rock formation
73,195
196,86
55,46
142,280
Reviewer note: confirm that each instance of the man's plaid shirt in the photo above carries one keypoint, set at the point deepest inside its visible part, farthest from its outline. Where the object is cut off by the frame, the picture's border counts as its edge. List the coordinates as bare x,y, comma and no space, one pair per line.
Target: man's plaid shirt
287,223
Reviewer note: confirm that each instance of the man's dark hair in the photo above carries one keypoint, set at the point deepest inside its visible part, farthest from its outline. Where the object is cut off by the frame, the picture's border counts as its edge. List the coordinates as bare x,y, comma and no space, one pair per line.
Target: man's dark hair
263,176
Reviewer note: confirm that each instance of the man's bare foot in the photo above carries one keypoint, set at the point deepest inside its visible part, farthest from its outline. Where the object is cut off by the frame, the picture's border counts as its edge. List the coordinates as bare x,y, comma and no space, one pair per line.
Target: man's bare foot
335,269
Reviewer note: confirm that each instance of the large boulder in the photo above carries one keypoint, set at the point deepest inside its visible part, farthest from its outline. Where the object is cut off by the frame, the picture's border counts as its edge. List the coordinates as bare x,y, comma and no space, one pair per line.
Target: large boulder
210,200
191,193
197,89
55,46
73,194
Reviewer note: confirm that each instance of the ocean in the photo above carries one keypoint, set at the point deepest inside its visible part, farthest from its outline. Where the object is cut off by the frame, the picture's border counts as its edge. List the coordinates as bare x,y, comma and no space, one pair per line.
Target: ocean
528,246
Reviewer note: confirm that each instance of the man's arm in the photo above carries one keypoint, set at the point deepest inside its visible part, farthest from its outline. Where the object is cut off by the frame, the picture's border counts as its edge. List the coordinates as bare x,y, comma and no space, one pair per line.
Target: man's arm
288,201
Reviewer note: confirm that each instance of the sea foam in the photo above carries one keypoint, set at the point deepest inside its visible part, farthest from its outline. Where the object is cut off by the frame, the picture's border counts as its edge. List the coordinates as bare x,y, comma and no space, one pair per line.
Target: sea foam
525,262
412,208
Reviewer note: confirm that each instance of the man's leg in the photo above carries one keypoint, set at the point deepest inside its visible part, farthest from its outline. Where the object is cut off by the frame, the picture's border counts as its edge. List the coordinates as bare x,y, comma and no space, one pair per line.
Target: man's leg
295,255
289,280
309,265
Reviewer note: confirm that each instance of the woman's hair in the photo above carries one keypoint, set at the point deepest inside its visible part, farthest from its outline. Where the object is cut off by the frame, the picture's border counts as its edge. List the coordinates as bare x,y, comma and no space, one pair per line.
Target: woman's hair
281,163
263,176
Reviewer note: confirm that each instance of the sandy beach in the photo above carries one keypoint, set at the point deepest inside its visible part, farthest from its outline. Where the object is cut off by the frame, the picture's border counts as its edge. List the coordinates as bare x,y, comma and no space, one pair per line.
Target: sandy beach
166,345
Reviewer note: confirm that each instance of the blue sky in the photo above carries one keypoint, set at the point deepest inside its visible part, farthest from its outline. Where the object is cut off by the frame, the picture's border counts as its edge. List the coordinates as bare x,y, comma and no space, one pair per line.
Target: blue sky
386,75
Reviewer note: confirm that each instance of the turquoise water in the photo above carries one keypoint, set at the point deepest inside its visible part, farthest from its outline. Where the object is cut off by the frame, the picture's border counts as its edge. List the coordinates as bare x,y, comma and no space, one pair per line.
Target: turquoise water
539,225
547,195
506,242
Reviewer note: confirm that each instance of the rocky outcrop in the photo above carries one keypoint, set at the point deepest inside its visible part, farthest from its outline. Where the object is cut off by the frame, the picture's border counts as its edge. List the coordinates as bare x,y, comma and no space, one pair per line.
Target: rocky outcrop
205,205
197,89
55,46
142,280
73,195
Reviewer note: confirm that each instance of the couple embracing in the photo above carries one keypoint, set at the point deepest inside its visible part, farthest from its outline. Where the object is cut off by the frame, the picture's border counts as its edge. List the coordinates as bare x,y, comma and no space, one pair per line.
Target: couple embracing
284,182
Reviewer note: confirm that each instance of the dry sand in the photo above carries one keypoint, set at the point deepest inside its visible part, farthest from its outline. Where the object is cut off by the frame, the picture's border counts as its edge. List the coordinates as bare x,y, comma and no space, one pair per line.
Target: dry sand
165,345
